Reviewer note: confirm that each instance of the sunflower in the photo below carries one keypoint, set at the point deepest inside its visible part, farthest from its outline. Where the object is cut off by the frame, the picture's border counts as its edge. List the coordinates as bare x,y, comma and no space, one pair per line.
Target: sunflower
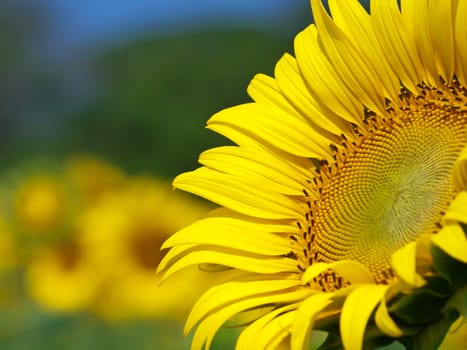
40,203
92,176
128,226
8,253
344,197
63,278
8,262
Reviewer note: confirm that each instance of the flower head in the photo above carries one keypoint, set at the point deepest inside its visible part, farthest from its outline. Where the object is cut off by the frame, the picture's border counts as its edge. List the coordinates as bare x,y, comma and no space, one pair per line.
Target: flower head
344,197
63,277
40,203
126,229
93,176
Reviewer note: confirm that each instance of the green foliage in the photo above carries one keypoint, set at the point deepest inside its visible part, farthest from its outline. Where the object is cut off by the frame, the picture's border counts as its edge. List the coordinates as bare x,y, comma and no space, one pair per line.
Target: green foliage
434,307
412,308
452,270
27,327
155,96
431,336
24,326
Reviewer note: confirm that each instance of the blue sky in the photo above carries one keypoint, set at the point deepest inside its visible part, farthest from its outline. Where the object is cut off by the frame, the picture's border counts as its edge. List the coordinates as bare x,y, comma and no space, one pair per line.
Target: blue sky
88,22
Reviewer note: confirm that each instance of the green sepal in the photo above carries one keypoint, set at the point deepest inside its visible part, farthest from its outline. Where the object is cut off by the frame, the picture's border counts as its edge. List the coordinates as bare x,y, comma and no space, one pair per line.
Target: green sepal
376,343
437,286
249,316
373,339
458,302
332,342
454,271
430,337
412,308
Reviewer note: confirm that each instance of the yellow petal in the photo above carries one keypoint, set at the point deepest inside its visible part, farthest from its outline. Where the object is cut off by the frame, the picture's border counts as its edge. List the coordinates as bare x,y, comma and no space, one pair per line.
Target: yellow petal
231,292
235,134
250,333
356,312
226,190
173,254
356,74
395,41
456,338
275,331
209,326
264,89
404,262
273,126
355,22
451,239
349,269
461,41
293,87
305,317
232,259
385,323
416,18
233,218
242,236
353,271
460,171
324,82
441,24
257,242
456,211
250,164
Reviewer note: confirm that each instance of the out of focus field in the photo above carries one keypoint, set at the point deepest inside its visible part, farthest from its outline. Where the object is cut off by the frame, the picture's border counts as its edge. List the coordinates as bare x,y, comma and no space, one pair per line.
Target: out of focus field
90,138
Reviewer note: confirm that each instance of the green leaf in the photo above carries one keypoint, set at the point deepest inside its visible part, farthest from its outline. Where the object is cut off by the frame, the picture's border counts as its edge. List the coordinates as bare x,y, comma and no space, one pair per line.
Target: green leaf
431,337
333,342
412,308
458,302
454,271
374,338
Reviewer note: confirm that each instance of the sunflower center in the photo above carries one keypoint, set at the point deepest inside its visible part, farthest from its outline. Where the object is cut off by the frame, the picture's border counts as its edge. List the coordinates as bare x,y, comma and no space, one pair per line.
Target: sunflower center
145,247
388,187
69,255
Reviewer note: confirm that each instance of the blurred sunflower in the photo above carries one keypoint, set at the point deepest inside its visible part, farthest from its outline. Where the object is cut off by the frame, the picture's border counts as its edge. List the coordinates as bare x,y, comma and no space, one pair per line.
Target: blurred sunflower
345,196
63,277
92,176
62,274
8,258
40,203
8,261
131,224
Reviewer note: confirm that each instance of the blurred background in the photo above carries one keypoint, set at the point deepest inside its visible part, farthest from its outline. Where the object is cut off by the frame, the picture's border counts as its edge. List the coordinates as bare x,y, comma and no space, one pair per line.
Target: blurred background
102,103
